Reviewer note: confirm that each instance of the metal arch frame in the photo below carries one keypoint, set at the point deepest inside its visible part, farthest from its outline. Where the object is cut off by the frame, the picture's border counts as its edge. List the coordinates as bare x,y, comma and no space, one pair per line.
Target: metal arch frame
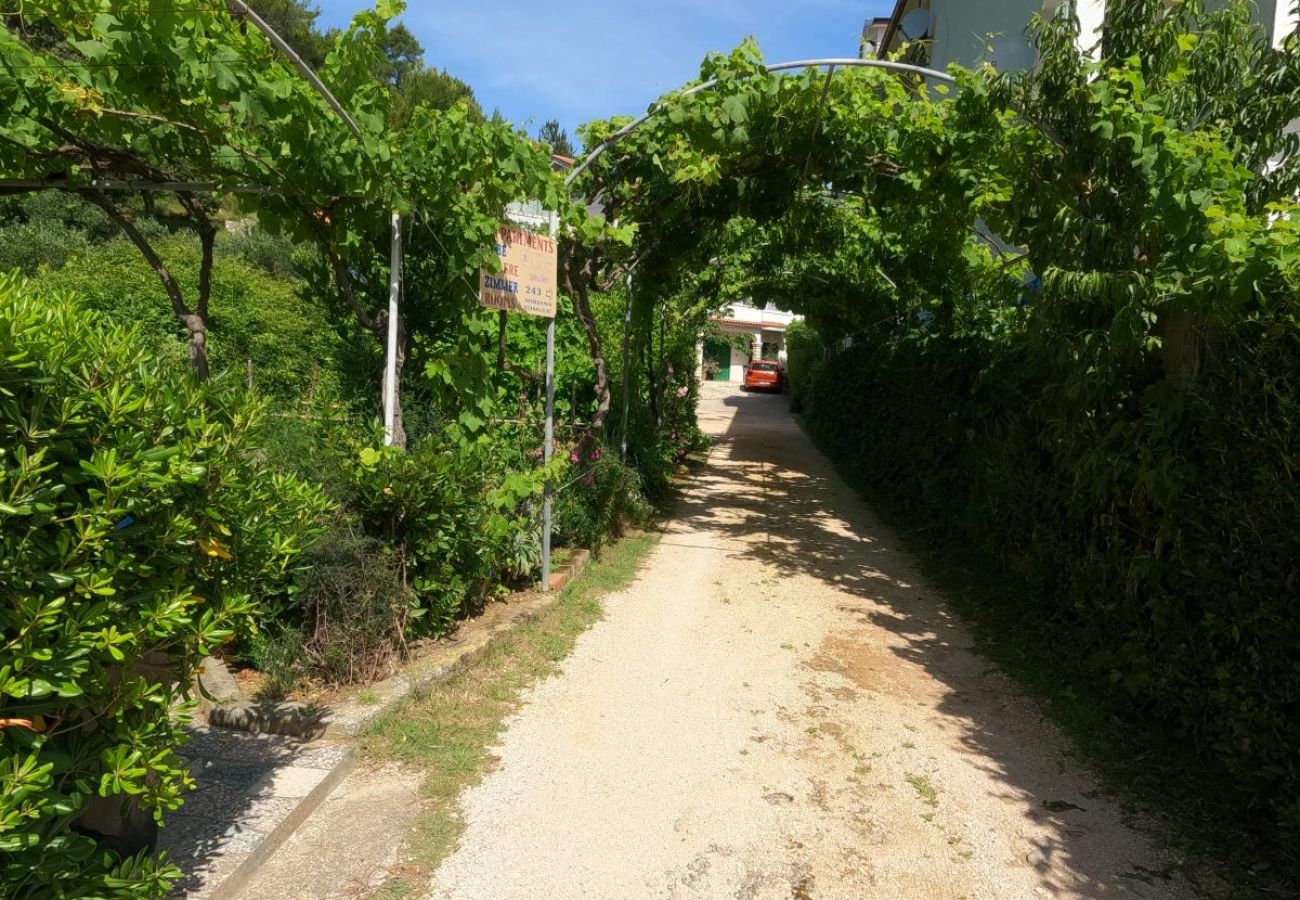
833,64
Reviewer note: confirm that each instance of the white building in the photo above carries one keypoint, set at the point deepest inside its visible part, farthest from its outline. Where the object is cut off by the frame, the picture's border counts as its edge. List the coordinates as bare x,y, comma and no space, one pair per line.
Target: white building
970,32
741,334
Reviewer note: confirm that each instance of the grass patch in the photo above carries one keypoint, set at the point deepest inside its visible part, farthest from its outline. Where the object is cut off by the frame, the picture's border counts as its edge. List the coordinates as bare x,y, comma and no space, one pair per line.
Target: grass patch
1147,770
924,789
447,730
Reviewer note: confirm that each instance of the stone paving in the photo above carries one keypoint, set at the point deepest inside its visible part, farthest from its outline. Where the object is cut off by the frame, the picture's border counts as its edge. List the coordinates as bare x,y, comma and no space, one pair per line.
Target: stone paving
262,768
252,792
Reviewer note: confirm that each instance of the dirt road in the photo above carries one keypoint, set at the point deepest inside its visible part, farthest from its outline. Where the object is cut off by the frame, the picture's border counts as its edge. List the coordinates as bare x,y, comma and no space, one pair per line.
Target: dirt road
780,707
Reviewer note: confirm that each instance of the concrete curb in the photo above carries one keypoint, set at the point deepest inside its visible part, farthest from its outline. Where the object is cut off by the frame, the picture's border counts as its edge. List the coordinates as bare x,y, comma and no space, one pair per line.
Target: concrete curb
343,719
237,880
346,718
338,722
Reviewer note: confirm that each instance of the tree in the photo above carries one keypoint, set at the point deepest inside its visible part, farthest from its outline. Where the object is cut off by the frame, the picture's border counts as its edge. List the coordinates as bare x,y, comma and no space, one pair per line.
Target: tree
433,88
551,133
403,55
295,21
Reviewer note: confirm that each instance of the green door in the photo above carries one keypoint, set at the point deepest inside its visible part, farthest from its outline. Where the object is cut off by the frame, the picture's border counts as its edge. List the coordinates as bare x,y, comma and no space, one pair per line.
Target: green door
717,352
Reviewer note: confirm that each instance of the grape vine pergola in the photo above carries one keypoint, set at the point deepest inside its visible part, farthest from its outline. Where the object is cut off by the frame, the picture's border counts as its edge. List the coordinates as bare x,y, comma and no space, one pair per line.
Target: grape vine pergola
14,185
831,65
294,199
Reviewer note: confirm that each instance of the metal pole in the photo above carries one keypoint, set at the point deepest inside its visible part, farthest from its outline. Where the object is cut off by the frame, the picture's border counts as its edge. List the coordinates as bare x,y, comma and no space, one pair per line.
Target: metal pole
627,373
305,70
390,365
888,65
549,490
661,372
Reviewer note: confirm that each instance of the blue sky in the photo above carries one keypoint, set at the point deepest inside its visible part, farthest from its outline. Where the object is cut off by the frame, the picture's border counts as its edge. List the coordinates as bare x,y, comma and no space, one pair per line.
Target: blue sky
588,59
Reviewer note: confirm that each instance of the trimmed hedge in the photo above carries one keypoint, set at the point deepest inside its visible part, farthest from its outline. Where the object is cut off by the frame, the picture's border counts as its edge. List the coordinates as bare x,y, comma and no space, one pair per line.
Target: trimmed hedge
1160,524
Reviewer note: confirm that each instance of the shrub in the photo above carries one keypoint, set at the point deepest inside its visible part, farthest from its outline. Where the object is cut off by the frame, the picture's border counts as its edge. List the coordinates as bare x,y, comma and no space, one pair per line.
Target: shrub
448,515
354,609
139,532
273,254
48,228
254,317
598,499
275,651
803,352
1158,525
26,246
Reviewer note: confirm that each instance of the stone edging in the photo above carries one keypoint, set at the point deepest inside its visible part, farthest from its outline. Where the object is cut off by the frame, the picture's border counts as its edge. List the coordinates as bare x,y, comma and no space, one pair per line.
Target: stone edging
347,717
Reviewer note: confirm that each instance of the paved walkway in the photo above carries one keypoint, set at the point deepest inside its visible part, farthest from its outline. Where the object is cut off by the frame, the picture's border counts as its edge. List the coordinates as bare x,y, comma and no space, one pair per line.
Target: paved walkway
781,707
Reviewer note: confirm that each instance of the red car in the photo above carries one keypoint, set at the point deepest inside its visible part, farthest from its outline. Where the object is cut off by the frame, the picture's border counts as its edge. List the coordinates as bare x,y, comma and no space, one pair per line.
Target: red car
764,375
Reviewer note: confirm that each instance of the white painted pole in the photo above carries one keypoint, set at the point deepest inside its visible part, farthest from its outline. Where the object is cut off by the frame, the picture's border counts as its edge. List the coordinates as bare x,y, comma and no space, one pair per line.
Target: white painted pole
549,489
546,453
627,372
390,367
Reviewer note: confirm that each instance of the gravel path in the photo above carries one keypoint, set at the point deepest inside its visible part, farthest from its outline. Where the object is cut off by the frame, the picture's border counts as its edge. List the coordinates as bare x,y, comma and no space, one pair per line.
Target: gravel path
780,707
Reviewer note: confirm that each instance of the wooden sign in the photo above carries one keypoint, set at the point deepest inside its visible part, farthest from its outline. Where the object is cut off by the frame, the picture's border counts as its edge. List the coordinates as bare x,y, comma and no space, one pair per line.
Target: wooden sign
528,279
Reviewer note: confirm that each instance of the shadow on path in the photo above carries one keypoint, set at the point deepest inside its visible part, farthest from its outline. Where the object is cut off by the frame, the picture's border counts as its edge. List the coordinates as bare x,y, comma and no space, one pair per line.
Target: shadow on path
787,508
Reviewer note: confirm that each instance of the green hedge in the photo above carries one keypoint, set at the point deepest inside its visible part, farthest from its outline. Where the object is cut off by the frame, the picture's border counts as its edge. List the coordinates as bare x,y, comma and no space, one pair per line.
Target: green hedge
138,531
1160,525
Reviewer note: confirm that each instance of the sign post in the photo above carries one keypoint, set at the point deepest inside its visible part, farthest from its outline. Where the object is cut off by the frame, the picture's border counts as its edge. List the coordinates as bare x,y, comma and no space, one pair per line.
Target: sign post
390,362
548,491
528,283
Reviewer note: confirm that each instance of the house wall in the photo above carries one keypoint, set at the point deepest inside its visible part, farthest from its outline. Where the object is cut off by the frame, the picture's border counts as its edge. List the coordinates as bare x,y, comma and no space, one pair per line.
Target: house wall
740,358
1091,13
964,31
759,324
738,362
971,32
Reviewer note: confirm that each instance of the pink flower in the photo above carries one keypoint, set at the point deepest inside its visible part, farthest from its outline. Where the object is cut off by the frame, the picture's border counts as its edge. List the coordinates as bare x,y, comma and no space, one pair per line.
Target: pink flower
595,454
683,391
573,456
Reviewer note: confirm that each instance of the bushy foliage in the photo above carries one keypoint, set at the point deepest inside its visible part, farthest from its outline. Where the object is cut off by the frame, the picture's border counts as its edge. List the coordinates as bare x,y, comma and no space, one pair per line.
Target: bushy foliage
804,351
140,532
598,499
355,609
256,316
1109,415
272,253
47,229
450,517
